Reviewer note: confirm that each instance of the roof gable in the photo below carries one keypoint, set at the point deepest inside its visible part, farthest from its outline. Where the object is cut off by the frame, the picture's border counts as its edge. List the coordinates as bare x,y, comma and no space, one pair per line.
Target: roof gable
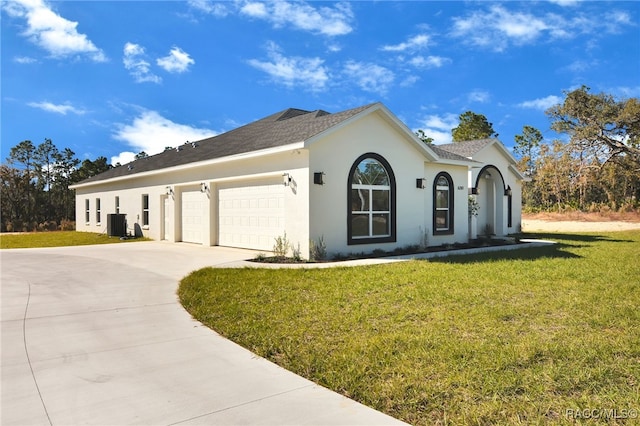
471,148
383,112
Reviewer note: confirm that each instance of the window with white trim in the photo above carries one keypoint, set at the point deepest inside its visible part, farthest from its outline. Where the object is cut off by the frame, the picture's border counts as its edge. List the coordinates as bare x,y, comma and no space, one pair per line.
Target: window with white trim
117,205
98,211
371,215
87,211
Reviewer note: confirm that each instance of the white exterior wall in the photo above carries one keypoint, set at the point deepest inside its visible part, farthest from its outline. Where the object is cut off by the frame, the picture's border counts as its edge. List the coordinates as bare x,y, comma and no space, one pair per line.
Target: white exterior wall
336,153
269,167
516,206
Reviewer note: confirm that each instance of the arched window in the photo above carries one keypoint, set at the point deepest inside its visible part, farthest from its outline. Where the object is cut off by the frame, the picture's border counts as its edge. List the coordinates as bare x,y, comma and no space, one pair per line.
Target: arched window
443,204
372,201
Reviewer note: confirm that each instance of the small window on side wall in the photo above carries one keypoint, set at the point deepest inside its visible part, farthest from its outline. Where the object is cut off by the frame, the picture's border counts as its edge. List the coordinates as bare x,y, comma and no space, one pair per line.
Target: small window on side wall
98,212
443,204
87,212
145,210
371,201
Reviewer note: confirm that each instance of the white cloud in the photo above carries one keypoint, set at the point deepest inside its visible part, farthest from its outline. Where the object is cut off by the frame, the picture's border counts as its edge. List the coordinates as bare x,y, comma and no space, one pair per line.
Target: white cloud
565,2
177,61
255,10
414,43
24,60
429,61
624,92
497,27
370,77
293,71
57,108
480,96
409,81
329,21
541,103
334,47
439,127
580,65
123,158
150,132
615,19
52,32
212,8
139,68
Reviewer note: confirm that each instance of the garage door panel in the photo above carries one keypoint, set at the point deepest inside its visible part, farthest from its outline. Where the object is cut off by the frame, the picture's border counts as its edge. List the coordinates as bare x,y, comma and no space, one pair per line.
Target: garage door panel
192,215
251,216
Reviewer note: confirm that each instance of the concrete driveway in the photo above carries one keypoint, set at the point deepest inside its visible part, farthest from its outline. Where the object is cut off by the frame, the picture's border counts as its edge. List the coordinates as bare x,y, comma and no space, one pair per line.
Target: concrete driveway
95,335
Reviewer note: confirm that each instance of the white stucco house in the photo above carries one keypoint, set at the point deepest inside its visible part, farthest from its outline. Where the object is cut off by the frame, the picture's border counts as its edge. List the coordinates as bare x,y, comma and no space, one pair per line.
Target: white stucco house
359,179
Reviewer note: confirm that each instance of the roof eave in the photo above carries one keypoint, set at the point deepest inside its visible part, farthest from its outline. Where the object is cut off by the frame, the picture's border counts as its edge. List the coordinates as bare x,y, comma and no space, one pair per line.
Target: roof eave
518,173
467,163
236,157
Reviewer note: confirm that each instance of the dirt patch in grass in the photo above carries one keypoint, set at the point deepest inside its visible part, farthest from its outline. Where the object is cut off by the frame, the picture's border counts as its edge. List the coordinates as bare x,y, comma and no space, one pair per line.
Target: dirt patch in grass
578,216
580,222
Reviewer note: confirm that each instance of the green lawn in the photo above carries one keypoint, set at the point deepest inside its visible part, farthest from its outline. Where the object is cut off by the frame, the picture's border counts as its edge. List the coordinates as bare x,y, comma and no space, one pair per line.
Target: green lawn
56,239
518,337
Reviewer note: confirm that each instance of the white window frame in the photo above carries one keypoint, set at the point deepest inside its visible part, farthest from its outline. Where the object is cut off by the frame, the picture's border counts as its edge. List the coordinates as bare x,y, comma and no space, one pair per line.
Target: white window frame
87,211
371,212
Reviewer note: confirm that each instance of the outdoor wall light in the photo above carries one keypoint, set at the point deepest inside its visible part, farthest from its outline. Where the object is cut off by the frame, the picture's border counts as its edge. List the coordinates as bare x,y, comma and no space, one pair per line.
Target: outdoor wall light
421,183
203,187
474,191
508,191
286,179
318,178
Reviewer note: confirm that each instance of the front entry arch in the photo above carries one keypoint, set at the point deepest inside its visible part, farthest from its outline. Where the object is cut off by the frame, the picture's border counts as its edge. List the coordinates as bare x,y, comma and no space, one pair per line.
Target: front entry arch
489,191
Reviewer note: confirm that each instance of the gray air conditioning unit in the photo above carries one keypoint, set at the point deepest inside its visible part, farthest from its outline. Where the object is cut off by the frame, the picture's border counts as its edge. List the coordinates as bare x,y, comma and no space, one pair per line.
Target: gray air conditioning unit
117,225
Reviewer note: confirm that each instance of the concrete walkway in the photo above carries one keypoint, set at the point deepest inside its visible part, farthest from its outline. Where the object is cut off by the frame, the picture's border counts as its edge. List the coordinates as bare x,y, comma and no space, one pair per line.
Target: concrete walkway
96,335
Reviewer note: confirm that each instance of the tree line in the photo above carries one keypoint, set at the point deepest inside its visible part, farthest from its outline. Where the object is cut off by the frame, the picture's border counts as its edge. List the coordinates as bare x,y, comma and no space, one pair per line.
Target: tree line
594,166
35,186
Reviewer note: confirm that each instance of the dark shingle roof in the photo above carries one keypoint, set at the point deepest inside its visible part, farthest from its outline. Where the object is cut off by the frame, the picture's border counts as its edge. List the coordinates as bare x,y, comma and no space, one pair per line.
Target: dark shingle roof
447,155
283,128
466,148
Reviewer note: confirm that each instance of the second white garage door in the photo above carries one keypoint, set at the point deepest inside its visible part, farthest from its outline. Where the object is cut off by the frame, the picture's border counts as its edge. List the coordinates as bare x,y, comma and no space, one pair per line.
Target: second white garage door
192,216
251,216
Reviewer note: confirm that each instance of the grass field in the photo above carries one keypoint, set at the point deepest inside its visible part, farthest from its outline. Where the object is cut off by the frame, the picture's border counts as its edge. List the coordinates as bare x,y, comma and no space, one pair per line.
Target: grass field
520,337
56,239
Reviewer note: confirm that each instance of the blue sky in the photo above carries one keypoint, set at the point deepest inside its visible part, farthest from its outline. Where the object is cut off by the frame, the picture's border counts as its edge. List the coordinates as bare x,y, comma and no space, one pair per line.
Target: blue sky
113,78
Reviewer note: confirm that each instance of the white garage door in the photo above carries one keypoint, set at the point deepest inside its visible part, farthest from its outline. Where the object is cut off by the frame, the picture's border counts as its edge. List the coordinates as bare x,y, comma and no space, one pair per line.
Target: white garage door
251,216
192,216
